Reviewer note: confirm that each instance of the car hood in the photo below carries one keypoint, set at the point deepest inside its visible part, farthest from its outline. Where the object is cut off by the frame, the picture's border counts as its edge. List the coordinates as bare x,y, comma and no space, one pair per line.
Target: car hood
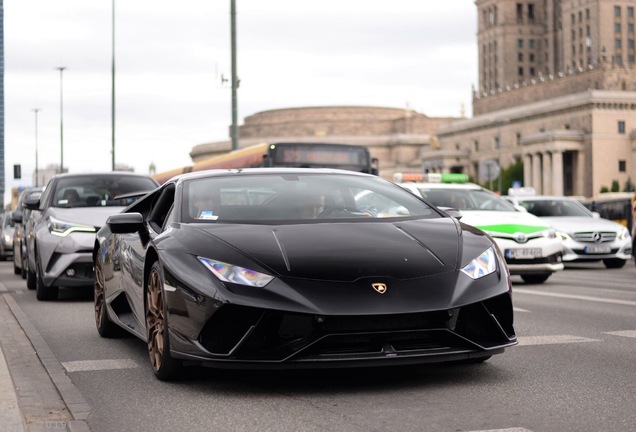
91,216
346,251
504,222
571,224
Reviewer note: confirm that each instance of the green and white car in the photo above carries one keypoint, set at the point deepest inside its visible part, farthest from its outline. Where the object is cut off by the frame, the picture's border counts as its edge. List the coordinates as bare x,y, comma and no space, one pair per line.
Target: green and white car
531,248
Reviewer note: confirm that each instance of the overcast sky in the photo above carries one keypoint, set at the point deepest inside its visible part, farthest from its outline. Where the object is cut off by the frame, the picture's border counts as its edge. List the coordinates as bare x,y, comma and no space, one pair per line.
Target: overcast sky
170,57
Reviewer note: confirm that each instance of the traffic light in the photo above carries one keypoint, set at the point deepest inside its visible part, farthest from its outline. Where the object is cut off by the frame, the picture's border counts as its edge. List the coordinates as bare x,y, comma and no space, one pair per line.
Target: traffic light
17,172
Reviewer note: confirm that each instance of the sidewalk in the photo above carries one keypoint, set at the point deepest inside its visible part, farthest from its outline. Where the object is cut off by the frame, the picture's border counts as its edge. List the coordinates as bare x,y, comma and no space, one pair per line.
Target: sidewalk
36,394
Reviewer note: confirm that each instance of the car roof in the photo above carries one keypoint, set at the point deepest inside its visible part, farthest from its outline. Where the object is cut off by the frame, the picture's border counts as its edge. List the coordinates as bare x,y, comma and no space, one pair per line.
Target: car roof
540,197
458,186
269,171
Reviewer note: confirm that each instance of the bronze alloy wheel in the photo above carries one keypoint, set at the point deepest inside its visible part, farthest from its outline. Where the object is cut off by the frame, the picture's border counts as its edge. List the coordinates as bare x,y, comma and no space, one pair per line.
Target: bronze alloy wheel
99,301
155,320
105,327
164,366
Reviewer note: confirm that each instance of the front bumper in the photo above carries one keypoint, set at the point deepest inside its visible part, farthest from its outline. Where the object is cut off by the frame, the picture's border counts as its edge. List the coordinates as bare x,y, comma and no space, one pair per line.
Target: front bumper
580,251
67,261
543,255
247,337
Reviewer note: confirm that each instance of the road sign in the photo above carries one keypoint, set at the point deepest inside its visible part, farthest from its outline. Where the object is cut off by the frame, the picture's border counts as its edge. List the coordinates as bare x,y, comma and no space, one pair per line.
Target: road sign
489,170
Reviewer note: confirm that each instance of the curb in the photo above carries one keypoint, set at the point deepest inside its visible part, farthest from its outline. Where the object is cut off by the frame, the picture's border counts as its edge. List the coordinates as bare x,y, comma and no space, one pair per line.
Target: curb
46,396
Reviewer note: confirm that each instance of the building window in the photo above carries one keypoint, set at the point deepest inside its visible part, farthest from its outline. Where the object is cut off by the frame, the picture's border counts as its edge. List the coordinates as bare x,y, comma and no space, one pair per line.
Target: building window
520,71
617,27
622,166
618,59
476,145
531,43
630,43
519,12
617,11
520,57
621,126
618,43
532,73
631,58
531,13
630,28
531,58
497,143
587,14
630,11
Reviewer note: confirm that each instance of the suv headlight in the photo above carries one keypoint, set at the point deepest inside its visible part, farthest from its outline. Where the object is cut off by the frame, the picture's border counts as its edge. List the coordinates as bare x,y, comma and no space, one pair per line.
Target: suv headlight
564,235
235,274
62,228
483,265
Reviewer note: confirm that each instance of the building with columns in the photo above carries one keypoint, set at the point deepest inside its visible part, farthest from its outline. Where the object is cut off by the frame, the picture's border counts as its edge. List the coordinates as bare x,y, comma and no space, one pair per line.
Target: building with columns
557,91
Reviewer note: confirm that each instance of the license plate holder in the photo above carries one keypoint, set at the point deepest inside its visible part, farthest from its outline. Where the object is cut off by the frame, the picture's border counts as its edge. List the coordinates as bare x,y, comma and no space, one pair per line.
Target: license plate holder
527,253
597,249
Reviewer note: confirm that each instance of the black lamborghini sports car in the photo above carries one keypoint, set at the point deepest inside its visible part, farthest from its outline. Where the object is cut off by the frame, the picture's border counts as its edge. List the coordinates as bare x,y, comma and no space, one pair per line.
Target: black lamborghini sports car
298,268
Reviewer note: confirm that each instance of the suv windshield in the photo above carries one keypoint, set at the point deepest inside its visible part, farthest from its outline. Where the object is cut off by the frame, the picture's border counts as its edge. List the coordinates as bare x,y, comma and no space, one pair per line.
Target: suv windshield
99,190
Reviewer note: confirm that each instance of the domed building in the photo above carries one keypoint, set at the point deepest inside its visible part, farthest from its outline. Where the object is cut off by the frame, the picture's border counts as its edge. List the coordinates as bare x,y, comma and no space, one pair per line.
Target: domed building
397,137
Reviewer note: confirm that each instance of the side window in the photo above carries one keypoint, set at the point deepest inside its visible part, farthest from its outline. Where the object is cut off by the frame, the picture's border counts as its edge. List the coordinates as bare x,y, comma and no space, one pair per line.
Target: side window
161,208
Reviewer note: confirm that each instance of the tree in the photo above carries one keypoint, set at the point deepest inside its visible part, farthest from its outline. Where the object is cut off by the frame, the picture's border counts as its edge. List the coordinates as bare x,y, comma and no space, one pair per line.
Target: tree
615,186
629,186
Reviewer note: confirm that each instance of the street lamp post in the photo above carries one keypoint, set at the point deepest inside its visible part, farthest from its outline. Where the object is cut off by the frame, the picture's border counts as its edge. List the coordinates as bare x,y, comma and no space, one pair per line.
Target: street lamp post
112,104
61,69
37,174
234,127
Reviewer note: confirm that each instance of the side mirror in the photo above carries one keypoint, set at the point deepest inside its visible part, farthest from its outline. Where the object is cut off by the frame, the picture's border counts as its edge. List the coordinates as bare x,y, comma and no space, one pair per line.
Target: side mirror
452,212
596,215
32,203
125,223
17,216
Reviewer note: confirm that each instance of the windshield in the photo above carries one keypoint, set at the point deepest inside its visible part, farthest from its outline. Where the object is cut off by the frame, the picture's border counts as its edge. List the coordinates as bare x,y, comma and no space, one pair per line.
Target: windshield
555,208
465,199
99,190
297,197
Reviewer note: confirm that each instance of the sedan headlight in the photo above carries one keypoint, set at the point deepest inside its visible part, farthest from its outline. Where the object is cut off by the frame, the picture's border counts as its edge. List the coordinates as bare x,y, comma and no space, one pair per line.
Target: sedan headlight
62,228
483,265
623,234
7,238
564,235
235,274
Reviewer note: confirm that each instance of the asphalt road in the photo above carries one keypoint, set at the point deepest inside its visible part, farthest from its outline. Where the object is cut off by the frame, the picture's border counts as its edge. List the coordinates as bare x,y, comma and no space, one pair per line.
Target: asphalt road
572,371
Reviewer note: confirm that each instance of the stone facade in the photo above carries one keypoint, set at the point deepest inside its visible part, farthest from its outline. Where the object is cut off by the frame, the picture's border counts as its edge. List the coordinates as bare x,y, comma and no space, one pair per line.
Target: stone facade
398,138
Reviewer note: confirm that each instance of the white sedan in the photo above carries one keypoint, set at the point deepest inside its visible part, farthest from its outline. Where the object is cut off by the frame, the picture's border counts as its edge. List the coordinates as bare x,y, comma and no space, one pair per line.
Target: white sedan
586,236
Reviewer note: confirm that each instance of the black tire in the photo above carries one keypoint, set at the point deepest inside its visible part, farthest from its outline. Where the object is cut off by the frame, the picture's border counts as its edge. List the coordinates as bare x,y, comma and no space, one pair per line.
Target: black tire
30,279
164,366
105,327
614,263
16,269
43,292
535,278
23,272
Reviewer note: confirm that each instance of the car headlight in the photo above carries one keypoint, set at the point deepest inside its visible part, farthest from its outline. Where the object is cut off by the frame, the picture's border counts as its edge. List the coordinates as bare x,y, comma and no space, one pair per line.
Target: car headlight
483,265
549,233
623,234
563,235
8,238
235,274
62,228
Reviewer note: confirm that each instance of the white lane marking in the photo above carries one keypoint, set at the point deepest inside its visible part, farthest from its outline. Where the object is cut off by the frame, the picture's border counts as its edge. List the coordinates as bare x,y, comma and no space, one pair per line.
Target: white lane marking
515,429
95,365
575,297
624,333
516,309
552,340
